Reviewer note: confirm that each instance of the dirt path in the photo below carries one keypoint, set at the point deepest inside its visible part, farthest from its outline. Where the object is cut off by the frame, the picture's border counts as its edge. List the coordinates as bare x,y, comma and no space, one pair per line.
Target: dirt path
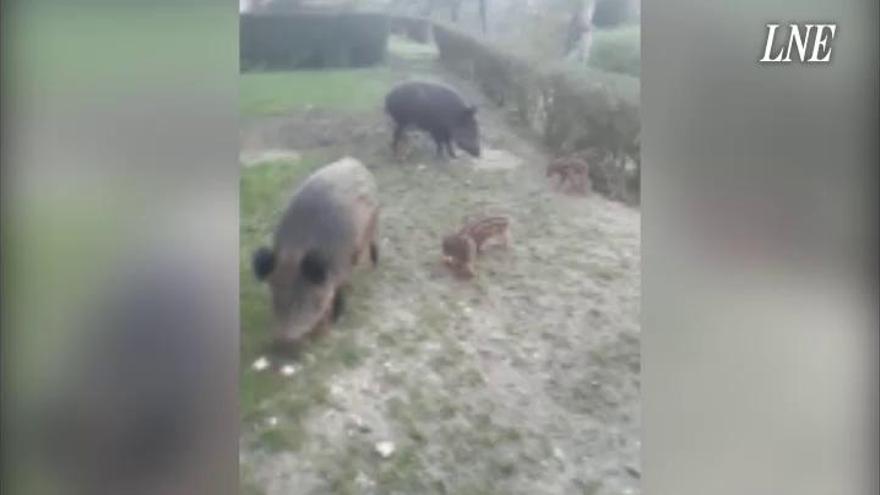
523,381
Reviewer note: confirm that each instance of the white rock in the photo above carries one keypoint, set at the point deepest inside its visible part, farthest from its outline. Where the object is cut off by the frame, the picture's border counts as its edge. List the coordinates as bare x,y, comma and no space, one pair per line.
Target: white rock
260,364
272,421
557,453
288,370
385,449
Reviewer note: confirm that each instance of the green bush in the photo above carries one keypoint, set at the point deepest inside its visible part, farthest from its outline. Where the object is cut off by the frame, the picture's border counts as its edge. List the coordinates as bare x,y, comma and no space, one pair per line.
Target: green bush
311,40
416,29
571,108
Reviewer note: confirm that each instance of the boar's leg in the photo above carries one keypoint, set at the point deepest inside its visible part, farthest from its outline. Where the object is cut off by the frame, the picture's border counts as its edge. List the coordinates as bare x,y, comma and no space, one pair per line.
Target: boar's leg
439,148
368,243
472,250
395,142
374,253
440,139
450,149
371,238
467,269
582,183
338,303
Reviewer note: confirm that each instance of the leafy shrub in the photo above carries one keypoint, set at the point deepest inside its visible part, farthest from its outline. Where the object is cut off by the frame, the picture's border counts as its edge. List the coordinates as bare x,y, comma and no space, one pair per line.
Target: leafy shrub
413,28
571,108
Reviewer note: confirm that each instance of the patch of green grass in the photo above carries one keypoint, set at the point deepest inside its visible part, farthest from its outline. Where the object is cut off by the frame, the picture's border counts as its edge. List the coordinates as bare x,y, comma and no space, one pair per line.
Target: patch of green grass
434,318
288,438
341,470
404,474
350,353
617,50
274,93
248,485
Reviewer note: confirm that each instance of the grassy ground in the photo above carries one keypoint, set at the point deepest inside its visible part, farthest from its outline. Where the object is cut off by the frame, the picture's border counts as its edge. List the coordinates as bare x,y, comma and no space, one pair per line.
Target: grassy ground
524,380
277,93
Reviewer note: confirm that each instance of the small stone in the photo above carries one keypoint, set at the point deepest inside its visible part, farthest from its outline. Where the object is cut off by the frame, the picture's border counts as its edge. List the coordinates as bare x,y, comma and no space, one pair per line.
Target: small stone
558,454
288,370
385,449
359,423
272,421
260,364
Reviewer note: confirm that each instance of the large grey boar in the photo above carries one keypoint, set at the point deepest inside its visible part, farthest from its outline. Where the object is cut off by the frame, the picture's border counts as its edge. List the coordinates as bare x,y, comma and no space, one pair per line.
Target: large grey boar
328,228
437,109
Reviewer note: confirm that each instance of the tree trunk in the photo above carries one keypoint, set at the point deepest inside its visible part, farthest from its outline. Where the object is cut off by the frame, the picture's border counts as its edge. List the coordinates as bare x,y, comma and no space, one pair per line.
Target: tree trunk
579,35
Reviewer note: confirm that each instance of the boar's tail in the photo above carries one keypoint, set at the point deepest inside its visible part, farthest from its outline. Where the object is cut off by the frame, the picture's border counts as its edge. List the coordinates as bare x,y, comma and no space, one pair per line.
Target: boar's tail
263,262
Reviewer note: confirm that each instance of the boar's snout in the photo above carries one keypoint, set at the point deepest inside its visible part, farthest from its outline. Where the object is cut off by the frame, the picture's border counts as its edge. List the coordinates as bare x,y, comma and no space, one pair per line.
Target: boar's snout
303,303
304,316
469,143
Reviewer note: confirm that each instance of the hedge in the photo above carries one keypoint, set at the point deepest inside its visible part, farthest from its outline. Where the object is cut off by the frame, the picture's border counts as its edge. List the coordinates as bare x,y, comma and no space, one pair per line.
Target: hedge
574,110
311,40
417,29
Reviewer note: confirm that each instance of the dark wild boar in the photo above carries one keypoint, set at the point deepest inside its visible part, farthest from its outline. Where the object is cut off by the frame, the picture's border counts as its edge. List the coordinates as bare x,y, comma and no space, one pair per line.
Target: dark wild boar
437,110
328,228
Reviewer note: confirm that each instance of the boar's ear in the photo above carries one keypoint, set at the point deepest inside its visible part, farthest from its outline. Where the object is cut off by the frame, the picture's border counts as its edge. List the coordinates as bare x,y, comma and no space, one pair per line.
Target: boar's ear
467,114
263,262
314,267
